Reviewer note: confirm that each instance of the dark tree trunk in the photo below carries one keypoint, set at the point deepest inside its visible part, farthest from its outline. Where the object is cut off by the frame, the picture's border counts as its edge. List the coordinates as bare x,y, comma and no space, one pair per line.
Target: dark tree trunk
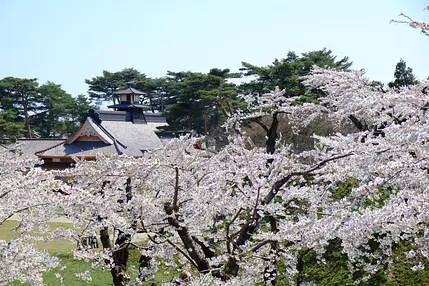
120,256
144,262
272,135
162,102
300,266
151,103
193,254
206,139
120,259
231,268
121,250
26,117
104,237
201,263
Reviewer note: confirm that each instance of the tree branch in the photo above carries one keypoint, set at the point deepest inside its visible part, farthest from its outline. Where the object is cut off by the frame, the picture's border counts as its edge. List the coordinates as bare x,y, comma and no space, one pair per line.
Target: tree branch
231,112
357,123
260,123
21,210
5,193
259,245
176,191
280,183
183,253
248,229
222,109
228,238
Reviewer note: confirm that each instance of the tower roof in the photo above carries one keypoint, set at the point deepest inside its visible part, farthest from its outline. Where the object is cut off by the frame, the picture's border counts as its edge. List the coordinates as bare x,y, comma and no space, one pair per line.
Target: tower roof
126,106
129,90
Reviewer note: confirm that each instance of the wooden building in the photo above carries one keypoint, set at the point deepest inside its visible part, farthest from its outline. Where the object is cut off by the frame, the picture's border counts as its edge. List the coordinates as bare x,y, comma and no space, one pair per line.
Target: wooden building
127,130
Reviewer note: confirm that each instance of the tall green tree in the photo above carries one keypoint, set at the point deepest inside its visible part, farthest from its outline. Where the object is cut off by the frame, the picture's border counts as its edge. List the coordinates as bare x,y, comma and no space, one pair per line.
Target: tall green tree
101,88
156,96
20,95
403,76
286,73
54,111
77,116
81,105
199,99
9,126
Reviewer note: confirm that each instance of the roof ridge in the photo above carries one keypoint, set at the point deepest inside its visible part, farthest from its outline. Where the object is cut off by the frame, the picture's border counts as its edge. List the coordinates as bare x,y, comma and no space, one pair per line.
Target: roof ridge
44,150
36,139
116,143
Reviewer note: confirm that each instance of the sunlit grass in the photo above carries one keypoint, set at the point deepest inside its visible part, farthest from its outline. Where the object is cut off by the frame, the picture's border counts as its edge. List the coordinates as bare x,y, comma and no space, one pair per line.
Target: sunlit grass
74,266
63,249
57,246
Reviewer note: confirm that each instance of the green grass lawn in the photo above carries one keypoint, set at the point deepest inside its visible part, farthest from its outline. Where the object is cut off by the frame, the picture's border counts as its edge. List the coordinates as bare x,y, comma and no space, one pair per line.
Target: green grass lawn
99,278
63,249
57,246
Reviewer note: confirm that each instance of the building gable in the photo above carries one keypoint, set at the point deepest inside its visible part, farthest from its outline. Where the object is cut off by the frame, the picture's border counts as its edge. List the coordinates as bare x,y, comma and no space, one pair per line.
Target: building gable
90,131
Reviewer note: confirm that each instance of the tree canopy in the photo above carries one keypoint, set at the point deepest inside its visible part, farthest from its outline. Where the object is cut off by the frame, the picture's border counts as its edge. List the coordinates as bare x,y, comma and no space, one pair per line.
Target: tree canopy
101,88
34,110
403,76
54,104
286,73
196,95
18,96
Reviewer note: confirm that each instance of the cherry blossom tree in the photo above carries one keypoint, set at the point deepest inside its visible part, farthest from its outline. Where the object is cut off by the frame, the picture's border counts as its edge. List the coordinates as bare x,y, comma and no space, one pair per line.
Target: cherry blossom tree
234,214
388,158
31,194
232,217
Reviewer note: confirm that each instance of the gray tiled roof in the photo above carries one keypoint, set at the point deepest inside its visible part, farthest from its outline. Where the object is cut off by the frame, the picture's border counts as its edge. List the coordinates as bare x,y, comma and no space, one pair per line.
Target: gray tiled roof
128,138
134,137
155,120
129,105
154,117
84,148
129,90
112,115
30,146
88,127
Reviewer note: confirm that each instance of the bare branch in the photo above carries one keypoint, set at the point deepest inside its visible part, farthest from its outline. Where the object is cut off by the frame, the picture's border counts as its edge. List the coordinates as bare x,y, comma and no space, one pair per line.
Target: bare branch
260,123
280,183
259,245
176,191
183,253
21,210
228,238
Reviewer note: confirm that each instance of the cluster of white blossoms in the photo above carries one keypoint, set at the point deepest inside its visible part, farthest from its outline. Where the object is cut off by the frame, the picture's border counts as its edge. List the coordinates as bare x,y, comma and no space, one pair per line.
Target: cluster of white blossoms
389,156
28,193
232,215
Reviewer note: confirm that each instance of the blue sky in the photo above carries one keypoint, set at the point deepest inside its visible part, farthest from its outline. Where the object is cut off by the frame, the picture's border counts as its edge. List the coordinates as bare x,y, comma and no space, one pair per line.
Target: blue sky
68,41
